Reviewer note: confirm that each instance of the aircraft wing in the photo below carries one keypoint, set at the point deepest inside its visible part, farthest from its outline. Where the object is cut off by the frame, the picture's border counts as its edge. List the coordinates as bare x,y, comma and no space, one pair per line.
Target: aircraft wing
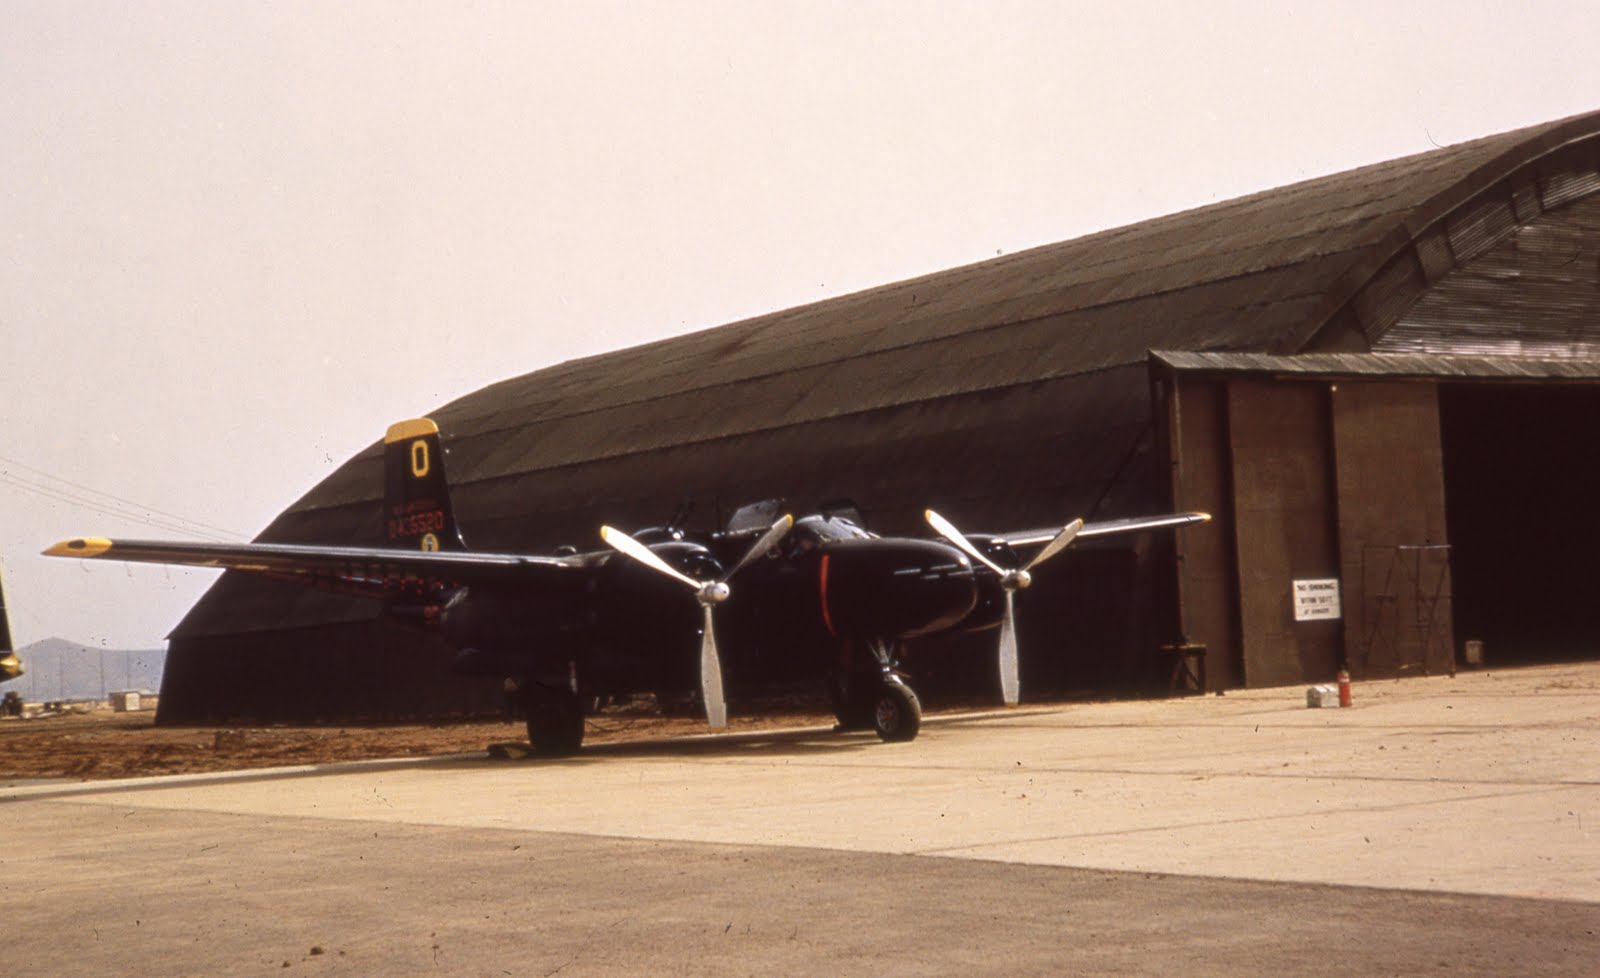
1134,524
362,570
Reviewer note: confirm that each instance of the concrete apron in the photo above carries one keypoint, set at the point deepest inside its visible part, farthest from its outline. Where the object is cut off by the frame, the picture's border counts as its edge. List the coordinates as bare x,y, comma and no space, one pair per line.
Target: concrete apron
1487,783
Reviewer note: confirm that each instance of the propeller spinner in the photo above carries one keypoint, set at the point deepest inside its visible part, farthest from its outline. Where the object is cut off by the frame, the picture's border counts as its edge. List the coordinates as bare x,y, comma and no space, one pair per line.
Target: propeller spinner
709,594
1011,580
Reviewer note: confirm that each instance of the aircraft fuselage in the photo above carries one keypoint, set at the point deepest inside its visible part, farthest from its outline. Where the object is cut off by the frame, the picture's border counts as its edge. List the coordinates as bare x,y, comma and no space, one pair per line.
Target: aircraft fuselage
627,629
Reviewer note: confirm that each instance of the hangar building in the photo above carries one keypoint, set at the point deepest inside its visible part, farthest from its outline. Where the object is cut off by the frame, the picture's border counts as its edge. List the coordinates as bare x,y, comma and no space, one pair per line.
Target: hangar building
1380,378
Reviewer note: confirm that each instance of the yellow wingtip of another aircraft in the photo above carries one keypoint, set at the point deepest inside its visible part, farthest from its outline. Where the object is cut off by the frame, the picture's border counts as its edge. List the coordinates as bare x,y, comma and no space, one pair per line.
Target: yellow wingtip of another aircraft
415,428
80,547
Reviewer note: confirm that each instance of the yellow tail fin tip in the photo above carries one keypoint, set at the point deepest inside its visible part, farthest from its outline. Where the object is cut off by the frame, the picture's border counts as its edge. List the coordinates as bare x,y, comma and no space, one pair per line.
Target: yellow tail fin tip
415,428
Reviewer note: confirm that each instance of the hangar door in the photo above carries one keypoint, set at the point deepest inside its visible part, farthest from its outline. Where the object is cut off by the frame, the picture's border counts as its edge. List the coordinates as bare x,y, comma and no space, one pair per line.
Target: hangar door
1522,490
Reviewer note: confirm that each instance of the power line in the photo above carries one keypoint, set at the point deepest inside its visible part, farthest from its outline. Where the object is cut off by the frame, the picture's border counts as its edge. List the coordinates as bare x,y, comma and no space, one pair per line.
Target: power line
114,498
146,517
104,502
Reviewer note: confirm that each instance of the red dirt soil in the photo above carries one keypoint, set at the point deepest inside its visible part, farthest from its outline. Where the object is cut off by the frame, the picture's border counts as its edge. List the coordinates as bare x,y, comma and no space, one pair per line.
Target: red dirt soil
104,744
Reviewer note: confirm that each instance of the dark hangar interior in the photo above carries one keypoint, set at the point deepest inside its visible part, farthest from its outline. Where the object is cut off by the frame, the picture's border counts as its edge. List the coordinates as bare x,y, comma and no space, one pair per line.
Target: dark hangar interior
1382,377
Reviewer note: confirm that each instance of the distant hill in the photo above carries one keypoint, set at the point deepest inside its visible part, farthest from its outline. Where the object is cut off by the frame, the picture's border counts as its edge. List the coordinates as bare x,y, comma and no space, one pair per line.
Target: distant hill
61,670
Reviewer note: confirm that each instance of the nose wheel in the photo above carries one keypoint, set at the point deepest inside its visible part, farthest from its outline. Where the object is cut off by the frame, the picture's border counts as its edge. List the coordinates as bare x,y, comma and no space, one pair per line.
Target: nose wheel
873,694
897,715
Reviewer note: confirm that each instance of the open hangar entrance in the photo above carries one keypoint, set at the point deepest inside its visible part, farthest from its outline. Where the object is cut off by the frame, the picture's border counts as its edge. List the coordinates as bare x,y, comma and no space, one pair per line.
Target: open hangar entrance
1522,481
1444,495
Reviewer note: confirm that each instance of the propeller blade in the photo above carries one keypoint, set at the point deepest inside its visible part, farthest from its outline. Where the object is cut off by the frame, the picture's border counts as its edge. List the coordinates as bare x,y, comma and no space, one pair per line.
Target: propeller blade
1066,536
947,530
1010,684
768,540
710,662
711,676
643,554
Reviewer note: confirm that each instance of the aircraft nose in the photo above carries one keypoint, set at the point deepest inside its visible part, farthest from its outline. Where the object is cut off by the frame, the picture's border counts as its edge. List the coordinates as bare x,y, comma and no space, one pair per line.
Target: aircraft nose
895,589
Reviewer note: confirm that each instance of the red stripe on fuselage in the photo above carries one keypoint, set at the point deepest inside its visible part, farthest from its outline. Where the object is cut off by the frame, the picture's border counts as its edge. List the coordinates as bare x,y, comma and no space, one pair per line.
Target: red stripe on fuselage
823,589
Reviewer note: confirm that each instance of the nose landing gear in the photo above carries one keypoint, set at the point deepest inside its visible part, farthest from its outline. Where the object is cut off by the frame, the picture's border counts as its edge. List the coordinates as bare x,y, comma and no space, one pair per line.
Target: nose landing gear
897,715
874,695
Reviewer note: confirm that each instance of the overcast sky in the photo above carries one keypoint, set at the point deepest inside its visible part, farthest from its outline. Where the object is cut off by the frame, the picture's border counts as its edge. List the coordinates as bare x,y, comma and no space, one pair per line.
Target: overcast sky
238,239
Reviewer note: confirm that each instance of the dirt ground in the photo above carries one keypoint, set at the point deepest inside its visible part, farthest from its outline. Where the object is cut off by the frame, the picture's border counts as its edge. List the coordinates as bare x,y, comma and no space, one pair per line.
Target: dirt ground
104,744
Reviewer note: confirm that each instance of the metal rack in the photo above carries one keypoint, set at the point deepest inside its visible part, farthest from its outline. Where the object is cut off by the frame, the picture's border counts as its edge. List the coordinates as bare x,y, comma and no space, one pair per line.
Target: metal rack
1419,574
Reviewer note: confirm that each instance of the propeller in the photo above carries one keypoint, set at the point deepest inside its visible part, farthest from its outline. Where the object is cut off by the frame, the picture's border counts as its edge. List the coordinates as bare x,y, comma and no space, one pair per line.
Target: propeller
1011,581
709,594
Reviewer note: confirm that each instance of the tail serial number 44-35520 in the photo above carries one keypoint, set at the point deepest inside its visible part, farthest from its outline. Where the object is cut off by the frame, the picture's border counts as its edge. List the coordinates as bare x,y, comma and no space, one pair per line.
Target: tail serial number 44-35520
818,596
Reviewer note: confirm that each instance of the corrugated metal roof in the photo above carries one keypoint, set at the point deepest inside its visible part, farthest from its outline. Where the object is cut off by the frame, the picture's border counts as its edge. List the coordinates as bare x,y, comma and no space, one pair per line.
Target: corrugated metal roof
1535,293
1256,272
1406,365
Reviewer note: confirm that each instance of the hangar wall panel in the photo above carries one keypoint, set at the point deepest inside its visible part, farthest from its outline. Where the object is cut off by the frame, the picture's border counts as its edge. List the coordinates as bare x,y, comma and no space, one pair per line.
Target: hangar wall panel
1209,595
1283,525
1392,528
374,671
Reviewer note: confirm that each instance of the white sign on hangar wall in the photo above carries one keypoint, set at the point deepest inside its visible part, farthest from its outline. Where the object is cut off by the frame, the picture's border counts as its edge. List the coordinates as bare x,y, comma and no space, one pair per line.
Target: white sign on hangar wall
1316,599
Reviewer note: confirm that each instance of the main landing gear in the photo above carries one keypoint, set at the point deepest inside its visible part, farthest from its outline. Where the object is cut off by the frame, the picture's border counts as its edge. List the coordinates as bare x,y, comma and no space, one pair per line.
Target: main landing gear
555,719
875,695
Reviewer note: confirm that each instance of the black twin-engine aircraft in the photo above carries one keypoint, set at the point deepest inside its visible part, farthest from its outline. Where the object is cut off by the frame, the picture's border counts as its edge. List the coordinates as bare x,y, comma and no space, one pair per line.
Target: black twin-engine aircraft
794,599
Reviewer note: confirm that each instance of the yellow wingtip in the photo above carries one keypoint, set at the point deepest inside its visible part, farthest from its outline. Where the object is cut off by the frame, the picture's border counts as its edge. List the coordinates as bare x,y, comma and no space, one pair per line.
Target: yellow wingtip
80,547
415,428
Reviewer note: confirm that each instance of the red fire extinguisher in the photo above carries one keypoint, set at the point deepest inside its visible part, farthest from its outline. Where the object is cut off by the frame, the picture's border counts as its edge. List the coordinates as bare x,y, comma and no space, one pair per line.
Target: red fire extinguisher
1344,687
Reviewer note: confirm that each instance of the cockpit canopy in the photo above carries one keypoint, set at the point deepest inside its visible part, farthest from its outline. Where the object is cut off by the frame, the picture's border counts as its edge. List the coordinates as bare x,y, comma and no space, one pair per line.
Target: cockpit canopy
813,531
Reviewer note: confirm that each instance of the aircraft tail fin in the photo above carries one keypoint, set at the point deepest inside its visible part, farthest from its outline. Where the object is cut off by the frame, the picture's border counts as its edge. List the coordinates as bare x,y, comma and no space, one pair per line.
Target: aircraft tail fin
417,514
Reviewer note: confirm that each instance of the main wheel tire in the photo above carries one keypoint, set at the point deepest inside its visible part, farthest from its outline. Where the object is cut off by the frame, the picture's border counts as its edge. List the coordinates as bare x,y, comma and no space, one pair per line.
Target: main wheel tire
896,713
555,722
852,700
